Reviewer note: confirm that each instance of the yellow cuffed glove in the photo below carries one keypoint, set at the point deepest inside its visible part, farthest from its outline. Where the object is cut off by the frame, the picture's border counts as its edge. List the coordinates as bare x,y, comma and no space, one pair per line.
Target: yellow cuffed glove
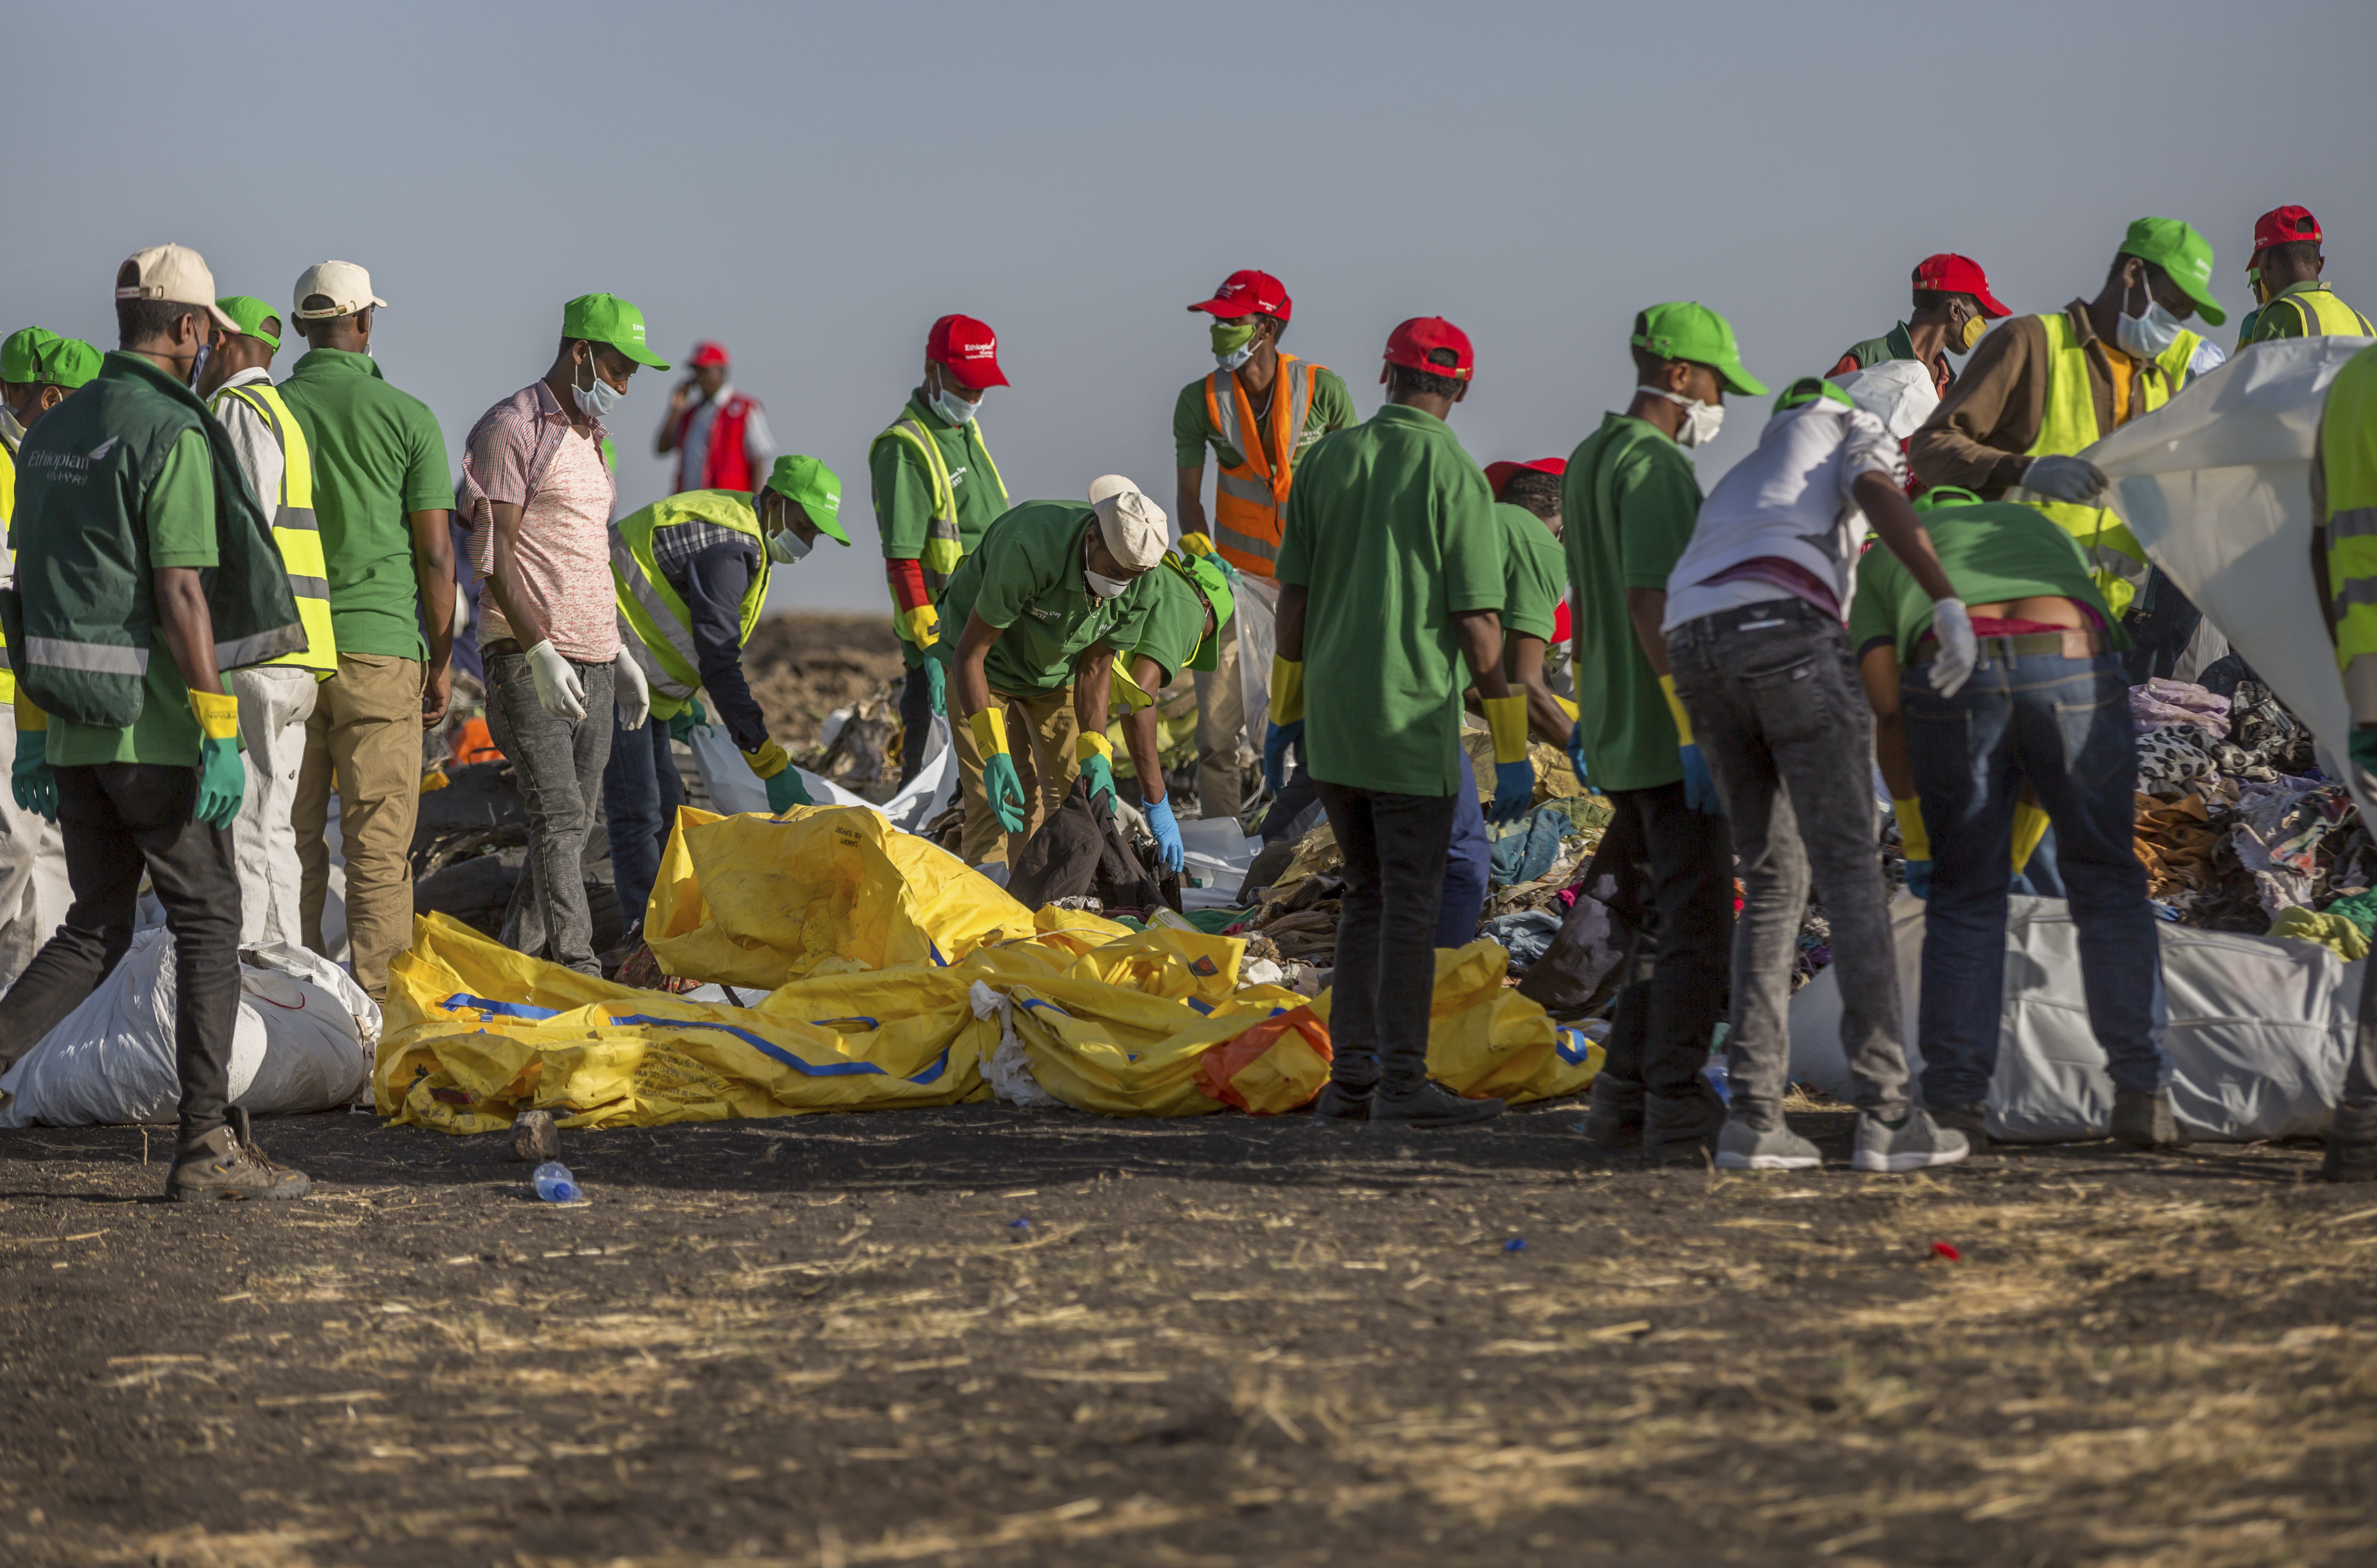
1002,787
1912,835
222,778
2029,827
768,760
1286,690
1566,707
923,624
1675,711
1197,545
1514,777
775,768
31,779
1095,753
29,713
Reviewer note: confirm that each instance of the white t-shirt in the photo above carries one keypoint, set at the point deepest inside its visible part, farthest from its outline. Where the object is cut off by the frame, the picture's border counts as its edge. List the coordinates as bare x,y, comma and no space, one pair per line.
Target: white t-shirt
1791,500
251,438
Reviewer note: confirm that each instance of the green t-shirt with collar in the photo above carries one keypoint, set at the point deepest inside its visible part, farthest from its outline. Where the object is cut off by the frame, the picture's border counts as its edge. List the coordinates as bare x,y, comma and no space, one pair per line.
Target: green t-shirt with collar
1173,627
1391,532
1994,553
1534,573
1025,579
904,491
1331,408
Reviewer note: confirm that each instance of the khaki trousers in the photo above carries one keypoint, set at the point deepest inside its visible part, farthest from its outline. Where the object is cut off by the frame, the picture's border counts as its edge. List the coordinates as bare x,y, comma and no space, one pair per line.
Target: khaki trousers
1221,731
274,702
365,728
1041,734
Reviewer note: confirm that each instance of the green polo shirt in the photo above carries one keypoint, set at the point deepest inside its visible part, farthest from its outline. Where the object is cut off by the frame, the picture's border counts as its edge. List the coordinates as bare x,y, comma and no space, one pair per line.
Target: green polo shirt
1534,573
1025,580
1993,553
1173,626
1627,505
1391,530
1331,408
904,491
378,455
178,517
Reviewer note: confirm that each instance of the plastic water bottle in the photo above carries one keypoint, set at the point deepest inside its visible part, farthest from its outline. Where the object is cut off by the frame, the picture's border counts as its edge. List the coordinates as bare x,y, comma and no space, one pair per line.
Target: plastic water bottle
1713,1072
554,1184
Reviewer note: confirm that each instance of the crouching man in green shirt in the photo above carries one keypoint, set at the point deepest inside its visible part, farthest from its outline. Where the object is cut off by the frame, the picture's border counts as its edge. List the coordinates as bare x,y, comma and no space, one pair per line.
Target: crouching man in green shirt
1052,590
144,568
1390,581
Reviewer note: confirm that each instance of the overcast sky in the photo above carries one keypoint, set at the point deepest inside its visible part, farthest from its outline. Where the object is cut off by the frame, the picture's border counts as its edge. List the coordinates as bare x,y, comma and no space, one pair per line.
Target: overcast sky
812,186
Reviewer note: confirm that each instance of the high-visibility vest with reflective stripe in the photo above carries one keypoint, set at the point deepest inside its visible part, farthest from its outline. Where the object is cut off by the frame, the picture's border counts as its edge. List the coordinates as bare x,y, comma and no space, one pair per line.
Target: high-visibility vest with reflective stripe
662,644
1250,500
295,530
2348,457
7,511
944,544
2320,312
2115,558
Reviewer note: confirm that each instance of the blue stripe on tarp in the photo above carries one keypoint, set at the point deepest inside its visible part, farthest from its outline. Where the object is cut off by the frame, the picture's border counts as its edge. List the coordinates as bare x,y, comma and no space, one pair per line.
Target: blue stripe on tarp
810,1068
1573,1055
1042,1002
461,999
936,949
1204,1007
853,1018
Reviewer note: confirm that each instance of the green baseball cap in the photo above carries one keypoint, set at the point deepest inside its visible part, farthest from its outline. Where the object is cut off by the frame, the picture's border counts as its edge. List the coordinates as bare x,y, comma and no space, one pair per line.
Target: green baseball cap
813,487
251,313
607,318
1685,330
65,362
1940,496
1215,585
2181,252
17,353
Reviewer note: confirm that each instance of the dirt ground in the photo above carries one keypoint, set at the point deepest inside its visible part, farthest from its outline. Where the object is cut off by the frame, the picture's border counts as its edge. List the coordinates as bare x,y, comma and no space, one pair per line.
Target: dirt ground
984,1337
803,667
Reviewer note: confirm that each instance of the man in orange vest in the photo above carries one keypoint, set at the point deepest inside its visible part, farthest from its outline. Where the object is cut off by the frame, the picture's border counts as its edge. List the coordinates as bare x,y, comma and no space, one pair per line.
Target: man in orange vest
721,438
1287,404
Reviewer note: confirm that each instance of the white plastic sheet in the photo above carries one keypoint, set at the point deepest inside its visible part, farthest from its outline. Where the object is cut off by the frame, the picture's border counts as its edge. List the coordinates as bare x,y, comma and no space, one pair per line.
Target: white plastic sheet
1257,603
734,787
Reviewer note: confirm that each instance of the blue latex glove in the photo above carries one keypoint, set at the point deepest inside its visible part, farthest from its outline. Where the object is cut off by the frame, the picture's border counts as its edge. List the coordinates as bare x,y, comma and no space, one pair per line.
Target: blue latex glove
1275,745
1100,772
1003,788
32,780
1167,832
1919,878
787,791
1699,788
1514,790
222,782
1576,755
936,685
688,718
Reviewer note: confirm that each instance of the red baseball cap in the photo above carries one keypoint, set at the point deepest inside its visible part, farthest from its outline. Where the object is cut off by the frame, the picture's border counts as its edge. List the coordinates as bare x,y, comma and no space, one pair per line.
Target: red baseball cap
1499,473
2285,226
1248,293
707,354
1953,274
1410,344
967,350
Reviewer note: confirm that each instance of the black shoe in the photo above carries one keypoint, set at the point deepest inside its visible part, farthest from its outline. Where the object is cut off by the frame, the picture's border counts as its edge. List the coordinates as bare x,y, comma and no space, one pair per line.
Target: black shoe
1613,1117
2351,1146
1338,1103
1972,1120
1682,1128
2144,1120
1432,1105
227,1164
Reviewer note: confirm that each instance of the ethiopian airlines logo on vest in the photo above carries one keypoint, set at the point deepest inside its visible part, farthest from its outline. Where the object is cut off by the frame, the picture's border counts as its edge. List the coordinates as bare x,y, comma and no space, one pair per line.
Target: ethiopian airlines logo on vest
67,467
99,453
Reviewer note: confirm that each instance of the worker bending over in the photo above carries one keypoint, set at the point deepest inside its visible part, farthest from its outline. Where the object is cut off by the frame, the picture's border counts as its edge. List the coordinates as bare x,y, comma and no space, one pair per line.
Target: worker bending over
691,572
936,490
1390,583
1754,621
1055,589
2047,706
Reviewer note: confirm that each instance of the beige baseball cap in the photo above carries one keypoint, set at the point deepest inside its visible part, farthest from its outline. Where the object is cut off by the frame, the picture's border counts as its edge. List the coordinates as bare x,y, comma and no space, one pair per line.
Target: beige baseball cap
1134,528
1106,484
176,274
347,285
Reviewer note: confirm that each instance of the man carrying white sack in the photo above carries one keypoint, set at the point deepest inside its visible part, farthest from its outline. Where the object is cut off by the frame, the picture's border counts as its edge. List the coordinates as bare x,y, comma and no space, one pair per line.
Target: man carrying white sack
1756,639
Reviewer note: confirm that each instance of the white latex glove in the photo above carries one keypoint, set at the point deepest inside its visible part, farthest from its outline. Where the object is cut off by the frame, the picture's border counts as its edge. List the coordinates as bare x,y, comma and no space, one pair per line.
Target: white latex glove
558,690
2062,478
631,694
1959,648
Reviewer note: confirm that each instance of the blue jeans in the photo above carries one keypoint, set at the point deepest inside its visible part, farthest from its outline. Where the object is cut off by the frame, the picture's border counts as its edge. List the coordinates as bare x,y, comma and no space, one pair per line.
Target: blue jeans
641,791
1468,861
2064,724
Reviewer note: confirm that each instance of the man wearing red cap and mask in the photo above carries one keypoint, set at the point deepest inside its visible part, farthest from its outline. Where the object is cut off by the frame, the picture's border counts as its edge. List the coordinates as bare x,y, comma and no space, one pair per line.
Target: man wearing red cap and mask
1287,404
2284,271
936,489
1951,303
720,436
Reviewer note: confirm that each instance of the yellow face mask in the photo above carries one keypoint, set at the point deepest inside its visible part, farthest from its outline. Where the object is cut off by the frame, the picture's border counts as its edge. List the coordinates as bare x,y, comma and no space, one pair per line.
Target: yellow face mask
1974,327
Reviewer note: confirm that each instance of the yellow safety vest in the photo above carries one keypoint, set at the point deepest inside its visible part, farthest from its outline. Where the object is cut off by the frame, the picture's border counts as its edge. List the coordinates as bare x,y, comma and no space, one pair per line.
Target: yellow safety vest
294,529
1250,500
944,544
663,646
2348,455
7,511
2319,312
2116,560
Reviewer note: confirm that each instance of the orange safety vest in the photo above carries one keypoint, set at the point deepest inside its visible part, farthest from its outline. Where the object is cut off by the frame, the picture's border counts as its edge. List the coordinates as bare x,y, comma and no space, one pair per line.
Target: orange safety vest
1250,502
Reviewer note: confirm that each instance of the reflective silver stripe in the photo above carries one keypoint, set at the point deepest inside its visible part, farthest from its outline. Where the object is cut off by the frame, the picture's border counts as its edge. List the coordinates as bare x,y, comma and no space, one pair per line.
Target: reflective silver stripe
1226,411
2355,591
656,611
1253,490
103,658
256,649
295,517
2356,522
1245,543
1299,405
310,587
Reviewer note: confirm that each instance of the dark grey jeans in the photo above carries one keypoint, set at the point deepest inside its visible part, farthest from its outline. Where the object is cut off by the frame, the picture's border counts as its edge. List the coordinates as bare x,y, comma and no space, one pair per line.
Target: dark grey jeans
1395,848
1777,709
558,765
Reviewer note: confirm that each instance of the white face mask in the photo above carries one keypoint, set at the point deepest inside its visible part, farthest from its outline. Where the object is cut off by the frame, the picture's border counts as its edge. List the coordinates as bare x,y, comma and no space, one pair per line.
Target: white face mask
953,407
785,546
1702,421
598,399
1103,586
1236,356
2147,335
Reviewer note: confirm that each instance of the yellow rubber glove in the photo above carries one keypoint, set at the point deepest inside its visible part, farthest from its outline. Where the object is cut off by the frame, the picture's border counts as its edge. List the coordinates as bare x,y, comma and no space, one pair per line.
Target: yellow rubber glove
1286,690
222,778
924,624
1506,720
1095,753
1001,786
1566,707
783,781
768,760
1676,710
1197,544
29,713
2029,827
1911,834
